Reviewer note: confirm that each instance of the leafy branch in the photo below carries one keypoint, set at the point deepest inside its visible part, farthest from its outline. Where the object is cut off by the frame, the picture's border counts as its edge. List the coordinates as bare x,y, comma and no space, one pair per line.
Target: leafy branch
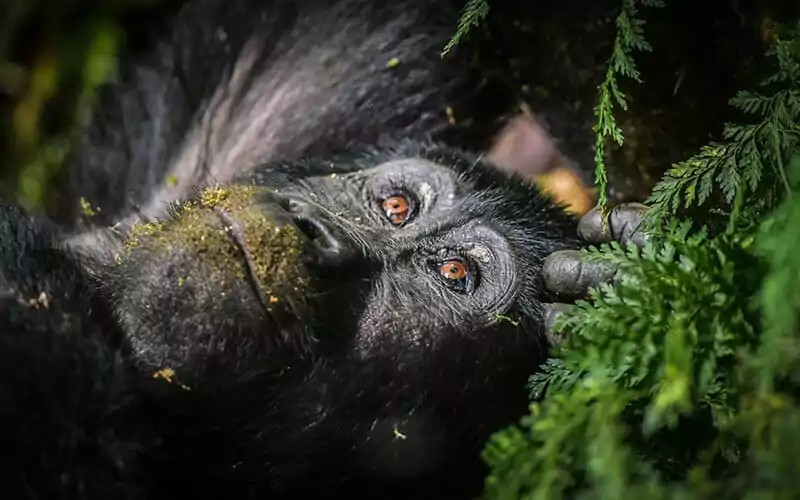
640,373
473,13
750,165
628,39
688,391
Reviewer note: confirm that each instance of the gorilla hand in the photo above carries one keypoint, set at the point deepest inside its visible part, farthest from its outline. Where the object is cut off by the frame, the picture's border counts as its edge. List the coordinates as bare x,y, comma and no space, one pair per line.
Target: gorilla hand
569,275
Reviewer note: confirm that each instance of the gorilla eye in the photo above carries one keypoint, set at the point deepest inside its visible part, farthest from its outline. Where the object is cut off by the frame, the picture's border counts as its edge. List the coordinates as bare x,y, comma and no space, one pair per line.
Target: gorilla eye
456,274
397,209
453,270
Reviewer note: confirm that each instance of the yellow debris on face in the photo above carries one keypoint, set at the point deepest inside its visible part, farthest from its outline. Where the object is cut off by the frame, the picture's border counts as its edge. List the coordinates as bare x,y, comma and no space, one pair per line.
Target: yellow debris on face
398,434
198,235
165,373
168,375
87,209
451,117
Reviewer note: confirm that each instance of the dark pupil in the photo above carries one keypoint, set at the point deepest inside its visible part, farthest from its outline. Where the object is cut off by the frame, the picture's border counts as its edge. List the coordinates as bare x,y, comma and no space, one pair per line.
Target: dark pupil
453,270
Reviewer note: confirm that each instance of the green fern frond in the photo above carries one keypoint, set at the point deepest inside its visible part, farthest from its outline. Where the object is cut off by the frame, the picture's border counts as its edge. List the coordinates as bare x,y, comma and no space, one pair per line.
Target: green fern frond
629,38
579,431
473,13
688,391
665,357
751,164
676,336
778,241
685,391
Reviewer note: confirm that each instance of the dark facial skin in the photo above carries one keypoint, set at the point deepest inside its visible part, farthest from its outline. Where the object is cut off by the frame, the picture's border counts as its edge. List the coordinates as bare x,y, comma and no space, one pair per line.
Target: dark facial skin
416,318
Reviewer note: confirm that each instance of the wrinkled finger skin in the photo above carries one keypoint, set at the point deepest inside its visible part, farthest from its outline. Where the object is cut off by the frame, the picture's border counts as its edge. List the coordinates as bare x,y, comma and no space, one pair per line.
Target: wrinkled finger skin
551,314
624,224
565,272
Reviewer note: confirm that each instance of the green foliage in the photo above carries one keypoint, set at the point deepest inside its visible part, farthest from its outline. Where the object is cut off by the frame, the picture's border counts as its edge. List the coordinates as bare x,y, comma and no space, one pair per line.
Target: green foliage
778,241
629,38
560,438
678,350
473,13
750,164
56,85
639,368
687,391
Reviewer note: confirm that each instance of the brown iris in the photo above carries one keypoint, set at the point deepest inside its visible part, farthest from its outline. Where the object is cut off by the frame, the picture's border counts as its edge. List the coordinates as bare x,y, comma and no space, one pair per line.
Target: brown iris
453,270
396,209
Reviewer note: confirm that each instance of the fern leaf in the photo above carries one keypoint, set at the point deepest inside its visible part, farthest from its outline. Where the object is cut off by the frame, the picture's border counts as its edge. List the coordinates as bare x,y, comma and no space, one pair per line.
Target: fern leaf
738,165
473,13
628,39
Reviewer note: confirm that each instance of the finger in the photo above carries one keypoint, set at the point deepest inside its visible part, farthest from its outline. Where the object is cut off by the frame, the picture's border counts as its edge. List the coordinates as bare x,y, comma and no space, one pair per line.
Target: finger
566,274
551,313
624,225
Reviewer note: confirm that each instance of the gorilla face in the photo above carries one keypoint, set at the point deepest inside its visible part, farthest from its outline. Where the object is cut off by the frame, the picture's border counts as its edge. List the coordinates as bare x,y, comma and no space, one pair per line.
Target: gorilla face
358,299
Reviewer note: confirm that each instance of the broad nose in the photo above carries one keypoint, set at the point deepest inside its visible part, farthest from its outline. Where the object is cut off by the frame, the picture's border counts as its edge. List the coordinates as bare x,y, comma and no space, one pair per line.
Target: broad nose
329,243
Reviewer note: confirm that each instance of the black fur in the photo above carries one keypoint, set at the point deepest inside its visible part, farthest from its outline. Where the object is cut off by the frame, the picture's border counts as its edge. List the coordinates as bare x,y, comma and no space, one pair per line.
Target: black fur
387,349
231,84
68,409
376,379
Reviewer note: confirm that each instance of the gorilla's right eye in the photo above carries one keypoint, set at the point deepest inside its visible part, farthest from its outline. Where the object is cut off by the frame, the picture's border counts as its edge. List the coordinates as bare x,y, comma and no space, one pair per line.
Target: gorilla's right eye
454,270
457,274
397,208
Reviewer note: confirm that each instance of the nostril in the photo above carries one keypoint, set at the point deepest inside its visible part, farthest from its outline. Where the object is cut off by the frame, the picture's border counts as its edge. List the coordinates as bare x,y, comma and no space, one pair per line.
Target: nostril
308,228
290,205
323,235
330,247
329,243
295,206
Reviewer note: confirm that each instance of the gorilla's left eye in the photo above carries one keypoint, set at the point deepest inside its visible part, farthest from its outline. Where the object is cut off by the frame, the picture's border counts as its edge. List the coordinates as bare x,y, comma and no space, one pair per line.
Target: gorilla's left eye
397,208
457,275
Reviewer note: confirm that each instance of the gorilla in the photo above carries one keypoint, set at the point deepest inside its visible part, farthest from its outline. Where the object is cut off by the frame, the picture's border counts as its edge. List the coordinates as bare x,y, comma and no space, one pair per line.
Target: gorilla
299,281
